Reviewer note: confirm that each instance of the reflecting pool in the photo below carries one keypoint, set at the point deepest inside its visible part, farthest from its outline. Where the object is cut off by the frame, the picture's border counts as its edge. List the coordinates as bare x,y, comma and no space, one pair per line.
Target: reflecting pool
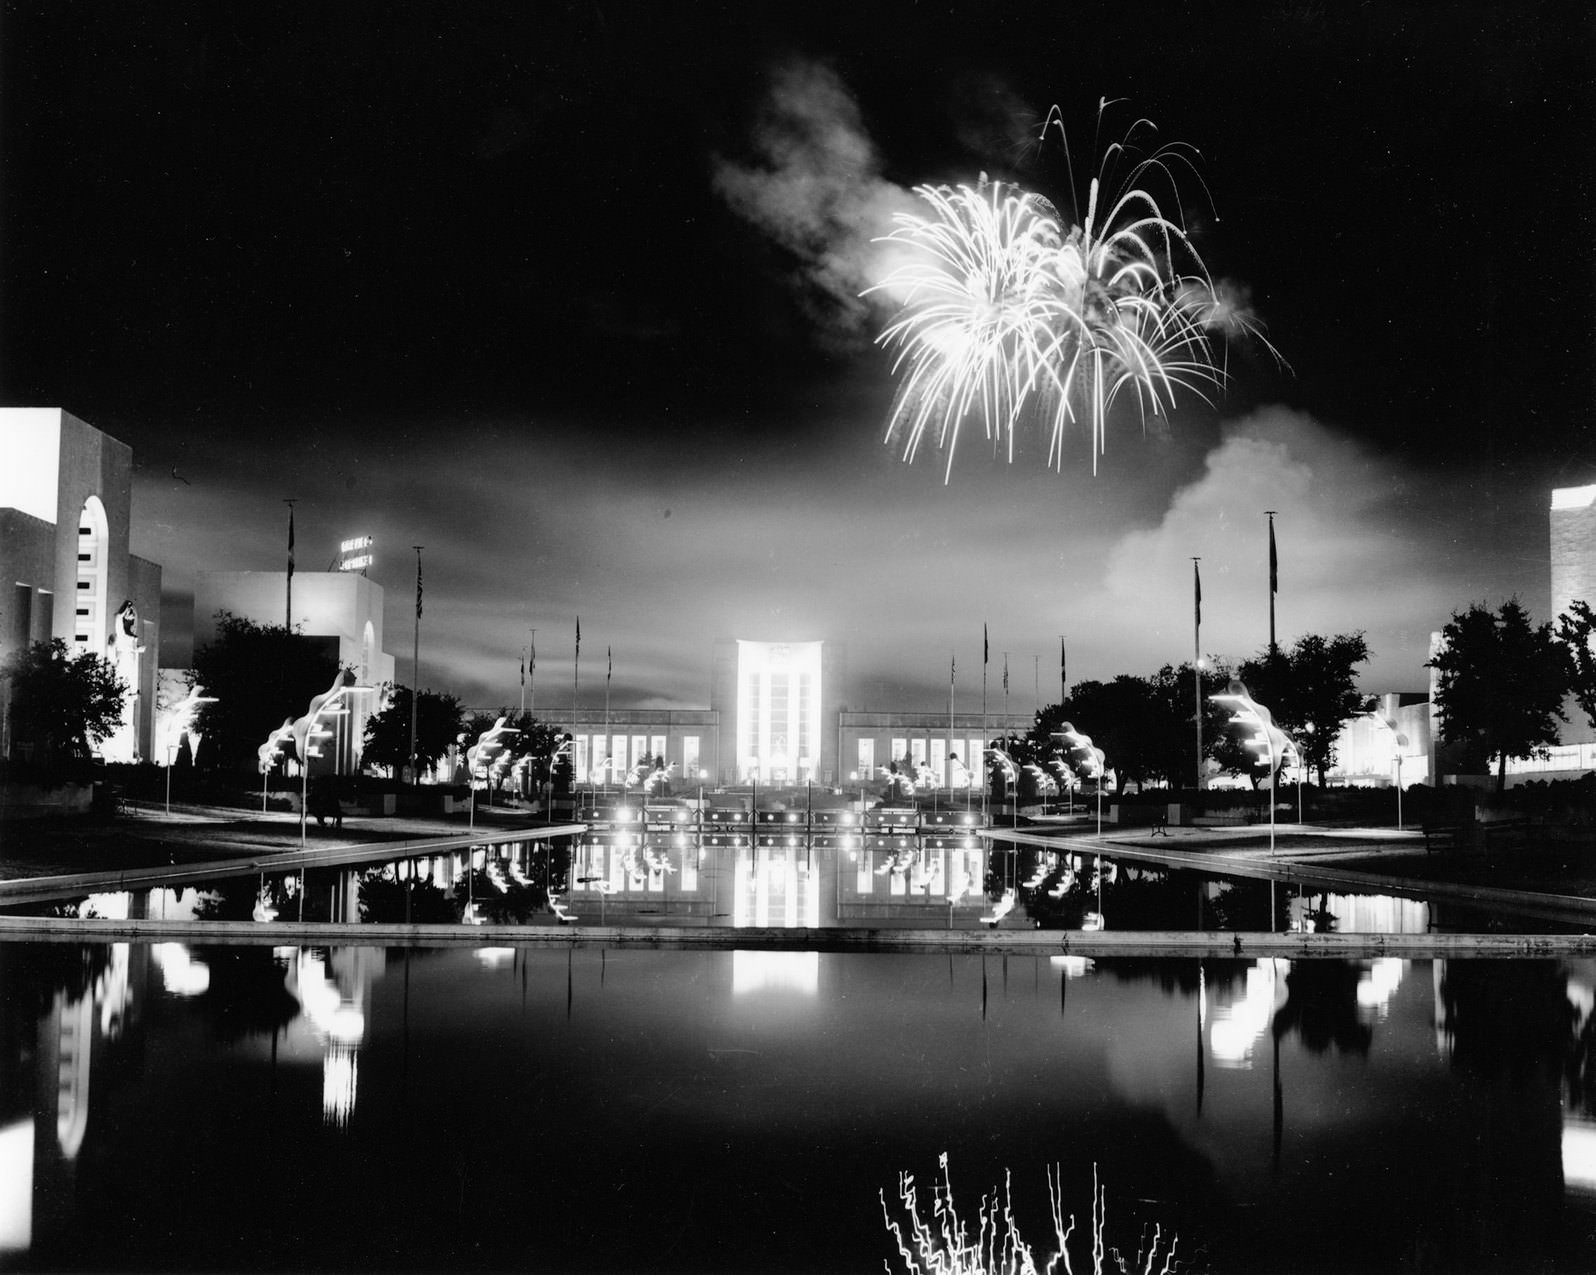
912,882
231,1108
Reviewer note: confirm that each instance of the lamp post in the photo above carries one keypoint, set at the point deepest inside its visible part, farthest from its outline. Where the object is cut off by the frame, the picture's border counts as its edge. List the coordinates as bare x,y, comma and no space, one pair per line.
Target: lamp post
1095,763
1399,741
1276,744
312,731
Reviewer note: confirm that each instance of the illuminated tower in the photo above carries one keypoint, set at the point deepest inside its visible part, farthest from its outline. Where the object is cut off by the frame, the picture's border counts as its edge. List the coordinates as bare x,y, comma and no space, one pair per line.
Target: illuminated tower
1573,547
777,710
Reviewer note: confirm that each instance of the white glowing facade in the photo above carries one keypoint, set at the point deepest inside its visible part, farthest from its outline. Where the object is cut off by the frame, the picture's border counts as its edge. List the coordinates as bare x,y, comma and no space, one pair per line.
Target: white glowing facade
66,504
778,710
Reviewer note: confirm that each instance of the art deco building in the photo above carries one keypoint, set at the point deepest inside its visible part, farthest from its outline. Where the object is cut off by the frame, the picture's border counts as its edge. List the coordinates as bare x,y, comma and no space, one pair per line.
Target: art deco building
66,497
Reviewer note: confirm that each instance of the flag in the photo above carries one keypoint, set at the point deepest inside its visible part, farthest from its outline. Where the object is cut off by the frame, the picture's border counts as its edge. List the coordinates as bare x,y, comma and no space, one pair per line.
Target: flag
578,637
290,542
418,586
953,668
1005,672
523,666
1197,587
609,653
1274,562
986,648
1063,677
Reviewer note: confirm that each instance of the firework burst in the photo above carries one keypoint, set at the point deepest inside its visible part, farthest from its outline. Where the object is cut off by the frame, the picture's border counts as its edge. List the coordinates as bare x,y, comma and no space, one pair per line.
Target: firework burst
1010,311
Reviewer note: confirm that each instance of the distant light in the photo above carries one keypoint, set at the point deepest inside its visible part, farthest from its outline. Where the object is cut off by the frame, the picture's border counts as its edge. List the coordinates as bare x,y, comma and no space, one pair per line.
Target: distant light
1573,497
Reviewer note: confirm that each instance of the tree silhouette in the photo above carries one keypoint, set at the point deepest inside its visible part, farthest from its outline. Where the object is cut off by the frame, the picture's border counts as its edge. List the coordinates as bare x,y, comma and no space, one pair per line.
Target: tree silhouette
1500,685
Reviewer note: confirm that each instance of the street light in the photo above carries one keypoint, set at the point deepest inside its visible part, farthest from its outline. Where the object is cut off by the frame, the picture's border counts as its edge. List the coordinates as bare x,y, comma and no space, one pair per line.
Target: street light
177,721
490,746
1399,741
1277,746
320,706
1092,764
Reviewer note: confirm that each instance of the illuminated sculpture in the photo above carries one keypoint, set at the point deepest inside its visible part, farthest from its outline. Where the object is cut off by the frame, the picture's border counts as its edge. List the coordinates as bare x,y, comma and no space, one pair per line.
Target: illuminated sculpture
491,746
279,744
123,650
304,728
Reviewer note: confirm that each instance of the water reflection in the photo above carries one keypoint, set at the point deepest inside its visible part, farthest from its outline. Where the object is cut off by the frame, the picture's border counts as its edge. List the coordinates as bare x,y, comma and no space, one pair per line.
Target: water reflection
795,879
133,1088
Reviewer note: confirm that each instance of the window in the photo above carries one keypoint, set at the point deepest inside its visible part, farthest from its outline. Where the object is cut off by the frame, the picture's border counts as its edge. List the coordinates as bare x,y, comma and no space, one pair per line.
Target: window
867,759
690,757
900,750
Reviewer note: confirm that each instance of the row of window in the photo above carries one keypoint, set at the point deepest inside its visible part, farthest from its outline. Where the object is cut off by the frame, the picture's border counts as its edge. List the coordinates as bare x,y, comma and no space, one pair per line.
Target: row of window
610,758
912,754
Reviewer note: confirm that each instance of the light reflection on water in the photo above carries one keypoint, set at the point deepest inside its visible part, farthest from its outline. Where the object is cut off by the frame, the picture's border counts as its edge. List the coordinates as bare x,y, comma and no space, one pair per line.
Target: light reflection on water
918,884
727,1098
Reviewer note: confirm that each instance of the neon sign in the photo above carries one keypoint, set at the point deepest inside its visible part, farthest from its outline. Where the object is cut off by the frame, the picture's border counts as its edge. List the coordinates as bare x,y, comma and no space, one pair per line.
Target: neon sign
356,554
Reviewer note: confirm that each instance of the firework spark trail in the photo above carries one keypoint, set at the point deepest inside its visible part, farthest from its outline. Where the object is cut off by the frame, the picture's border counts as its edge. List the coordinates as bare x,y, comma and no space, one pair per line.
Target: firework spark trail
1007,308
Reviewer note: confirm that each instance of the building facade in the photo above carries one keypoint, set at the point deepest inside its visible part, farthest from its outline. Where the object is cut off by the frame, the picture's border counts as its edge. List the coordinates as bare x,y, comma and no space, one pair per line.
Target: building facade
66,507
607,748
947,745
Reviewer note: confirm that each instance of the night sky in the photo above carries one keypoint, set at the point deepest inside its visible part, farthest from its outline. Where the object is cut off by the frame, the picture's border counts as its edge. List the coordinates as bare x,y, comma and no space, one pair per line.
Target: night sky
569,296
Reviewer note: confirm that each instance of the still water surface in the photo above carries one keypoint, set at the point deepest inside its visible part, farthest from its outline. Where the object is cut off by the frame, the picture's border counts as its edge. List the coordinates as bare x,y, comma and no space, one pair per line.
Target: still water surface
238,1108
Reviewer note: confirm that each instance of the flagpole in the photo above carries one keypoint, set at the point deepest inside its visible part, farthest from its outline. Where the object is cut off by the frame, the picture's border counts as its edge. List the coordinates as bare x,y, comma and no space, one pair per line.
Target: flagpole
576,682
986,653
1197,661
288,614
1274,582
608,673
947,756
415,674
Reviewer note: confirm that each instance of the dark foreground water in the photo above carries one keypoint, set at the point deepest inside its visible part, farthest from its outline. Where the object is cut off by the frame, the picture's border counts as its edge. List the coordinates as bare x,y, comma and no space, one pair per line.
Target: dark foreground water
309,1109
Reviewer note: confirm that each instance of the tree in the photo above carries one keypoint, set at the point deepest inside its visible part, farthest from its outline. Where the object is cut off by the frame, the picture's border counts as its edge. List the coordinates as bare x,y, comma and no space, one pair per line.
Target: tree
1576,630
1312,691
261,674
1173,747
439,721
61,703
1144,725
1500,685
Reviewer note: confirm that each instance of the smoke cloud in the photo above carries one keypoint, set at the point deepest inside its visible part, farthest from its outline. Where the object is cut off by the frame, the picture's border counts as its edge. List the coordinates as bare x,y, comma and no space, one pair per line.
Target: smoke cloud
818,192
